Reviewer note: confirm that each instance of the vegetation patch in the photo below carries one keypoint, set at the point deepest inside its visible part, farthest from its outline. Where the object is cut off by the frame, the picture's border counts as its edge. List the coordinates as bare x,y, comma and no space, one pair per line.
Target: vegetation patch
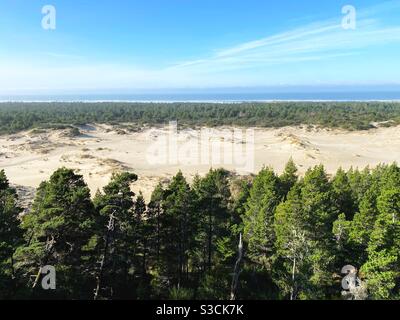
132,117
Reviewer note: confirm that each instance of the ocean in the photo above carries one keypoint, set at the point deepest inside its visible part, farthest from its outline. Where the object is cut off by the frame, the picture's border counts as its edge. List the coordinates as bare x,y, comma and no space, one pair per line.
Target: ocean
211,97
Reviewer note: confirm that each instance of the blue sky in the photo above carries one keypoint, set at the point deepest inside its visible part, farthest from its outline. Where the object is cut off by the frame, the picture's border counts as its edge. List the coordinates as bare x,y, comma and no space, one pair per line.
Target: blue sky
164,44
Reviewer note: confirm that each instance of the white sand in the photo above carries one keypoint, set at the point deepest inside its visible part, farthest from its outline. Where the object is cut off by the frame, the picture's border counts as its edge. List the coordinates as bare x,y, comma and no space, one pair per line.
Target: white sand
30,158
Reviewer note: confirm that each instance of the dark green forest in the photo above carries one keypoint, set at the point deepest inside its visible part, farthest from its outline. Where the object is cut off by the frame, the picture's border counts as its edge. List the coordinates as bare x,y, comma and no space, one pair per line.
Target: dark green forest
16,116
298,233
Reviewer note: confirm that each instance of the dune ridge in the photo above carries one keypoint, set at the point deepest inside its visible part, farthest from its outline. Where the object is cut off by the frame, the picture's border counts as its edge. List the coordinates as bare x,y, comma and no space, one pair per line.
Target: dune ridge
97,150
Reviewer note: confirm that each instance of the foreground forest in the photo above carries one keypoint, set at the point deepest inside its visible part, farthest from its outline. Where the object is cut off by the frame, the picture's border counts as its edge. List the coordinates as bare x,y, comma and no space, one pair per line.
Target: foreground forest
15,116
298,234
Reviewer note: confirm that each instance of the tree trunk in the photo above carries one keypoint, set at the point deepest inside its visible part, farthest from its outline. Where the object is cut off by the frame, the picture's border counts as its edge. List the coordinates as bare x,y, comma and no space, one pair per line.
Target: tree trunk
209,241
48,250
236,270
292,293
99,278
158,235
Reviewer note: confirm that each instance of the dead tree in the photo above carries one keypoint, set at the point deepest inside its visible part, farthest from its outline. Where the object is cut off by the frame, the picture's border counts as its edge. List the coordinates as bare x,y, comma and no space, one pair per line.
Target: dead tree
50,242
236,270
99,278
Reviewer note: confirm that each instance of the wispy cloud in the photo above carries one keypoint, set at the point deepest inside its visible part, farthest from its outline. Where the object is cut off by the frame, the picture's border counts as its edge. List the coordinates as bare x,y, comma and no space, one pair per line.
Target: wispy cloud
316,41
238,65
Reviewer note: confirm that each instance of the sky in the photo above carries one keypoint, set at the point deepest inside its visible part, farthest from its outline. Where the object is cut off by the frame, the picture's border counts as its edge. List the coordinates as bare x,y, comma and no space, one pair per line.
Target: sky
129,46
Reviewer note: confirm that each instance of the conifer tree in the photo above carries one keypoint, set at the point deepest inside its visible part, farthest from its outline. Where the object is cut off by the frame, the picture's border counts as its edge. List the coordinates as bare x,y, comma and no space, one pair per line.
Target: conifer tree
118,239
57,230
216,236
178,231
10,236
292,247
343,195
382,270
154,218
298,234
142,232
306,219
213,201
362,226
288,178
258,220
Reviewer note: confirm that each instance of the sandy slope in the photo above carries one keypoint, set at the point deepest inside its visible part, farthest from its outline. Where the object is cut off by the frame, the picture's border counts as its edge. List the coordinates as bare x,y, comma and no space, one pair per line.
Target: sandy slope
29,158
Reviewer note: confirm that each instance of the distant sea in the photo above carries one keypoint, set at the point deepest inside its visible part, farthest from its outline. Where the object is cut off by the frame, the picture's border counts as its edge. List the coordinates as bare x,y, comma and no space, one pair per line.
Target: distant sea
211,97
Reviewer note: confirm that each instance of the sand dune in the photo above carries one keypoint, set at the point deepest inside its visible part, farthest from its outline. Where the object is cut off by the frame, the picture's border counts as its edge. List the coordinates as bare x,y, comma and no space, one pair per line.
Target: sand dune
30,157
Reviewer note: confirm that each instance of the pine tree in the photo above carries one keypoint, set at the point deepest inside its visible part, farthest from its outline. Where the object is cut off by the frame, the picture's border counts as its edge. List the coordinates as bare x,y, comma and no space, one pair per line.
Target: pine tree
292,247
298,235
382,270
58,229
154,218
343,195
320,210
118,239
344,251
360,183
288,178
142,231
378,180
240,192
10,236
145,229
362,226
306,219
258,220
178,232
213,200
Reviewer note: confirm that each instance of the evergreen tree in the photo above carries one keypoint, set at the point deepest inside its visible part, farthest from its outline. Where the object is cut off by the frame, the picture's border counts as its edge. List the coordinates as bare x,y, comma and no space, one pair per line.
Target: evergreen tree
154,218
178,232
344,251
58,229
343,195
10,236
288,178
213,201
217,243
382,269
240,192
362,226
319,213
145,236
320,210
292,247
118,239
258,220
360,183
142,230
379,179
306,219
298,234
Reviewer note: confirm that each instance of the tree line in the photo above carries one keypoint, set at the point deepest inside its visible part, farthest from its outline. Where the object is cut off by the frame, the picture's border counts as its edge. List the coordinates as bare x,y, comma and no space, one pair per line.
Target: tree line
16,116
298,233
